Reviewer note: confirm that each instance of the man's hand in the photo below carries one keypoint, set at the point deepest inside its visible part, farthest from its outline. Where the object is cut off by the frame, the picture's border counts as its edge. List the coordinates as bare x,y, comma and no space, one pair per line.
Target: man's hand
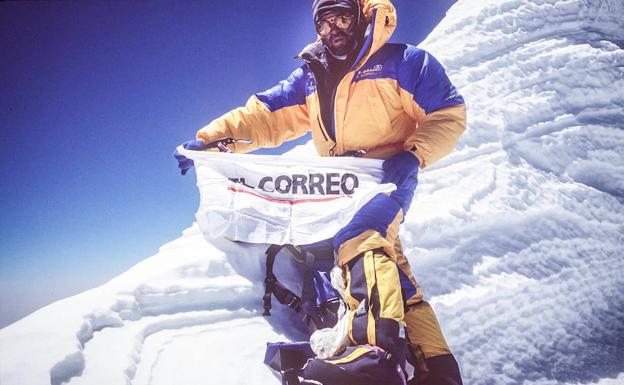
184,163
402,170
378,213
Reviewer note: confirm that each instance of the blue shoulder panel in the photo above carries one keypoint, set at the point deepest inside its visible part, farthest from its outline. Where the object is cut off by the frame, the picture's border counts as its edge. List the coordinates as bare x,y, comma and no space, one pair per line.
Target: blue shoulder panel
289,92
424,77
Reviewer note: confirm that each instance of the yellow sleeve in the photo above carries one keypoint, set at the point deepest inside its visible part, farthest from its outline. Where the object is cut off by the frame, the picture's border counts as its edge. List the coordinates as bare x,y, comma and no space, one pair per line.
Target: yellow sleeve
257,123
268,118
437,135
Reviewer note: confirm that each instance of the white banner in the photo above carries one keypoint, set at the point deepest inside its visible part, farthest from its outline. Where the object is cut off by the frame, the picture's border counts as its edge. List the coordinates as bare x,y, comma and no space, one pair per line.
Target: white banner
280,200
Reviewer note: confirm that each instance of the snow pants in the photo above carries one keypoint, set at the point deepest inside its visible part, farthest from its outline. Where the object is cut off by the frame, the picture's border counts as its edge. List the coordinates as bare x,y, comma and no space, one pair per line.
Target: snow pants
383,297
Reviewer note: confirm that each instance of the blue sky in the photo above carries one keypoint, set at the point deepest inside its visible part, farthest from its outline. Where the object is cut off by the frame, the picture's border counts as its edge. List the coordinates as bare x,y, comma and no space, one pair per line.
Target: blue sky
94,98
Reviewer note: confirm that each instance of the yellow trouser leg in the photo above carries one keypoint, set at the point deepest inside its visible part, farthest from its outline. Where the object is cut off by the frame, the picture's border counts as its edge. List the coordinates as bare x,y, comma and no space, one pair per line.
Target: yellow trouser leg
423,328
375,302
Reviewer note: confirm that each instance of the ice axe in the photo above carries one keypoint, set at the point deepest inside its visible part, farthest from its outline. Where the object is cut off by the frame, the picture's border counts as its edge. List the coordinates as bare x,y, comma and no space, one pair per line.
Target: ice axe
222,144
185,164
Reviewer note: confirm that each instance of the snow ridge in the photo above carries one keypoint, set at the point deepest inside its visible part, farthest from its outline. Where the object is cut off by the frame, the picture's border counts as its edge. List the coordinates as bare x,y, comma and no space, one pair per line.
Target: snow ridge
524,257
106,333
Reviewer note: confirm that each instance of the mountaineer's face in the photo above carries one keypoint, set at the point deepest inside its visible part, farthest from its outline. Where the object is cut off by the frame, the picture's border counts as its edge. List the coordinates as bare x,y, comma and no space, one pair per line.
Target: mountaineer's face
337,30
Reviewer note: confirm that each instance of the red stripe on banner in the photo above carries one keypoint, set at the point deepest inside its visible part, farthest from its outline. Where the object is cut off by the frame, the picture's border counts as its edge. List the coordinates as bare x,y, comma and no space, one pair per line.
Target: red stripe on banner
288,201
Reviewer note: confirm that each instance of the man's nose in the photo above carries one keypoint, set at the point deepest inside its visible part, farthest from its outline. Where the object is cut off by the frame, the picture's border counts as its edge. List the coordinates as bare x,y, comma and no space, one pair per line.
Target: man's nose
334,29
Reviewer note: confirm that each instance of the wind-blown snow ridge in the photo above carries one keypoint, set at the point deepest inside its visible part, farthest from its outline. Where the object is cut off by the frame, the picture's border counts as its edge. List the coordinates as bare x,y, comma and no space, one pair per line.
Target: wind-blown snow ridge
517,236
535,190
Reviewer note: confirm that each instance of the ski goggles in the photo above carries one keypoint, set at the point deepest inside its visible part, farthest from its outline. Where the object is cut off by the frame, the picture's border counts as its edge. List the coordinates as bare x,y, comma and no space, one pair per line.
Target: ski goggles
342,21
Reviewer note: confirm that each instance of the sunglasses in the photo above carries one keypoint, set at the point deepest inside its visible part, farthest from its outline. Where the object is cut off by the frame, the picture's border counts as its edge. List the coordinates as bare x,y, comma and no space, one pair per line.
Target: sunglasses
343,21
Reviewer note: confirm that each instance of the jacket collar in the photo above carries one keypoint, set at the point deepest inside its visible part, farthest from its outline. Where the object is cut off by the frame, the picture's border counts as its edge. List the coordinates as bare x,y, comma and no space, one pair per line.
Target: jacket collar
315,53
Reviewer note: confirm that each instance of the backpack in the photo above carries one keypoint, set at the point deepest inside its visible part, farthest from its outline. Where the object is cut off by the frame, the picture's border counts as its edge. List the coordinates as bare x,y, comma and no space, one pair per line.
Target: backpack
355,365
319,303
319,306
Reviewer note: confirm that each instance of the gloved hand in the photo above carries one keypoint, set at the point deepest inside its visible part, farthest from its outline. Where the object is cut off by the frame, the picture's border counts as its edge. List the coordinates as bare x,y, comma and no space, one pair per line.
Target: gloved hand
399,168
402,170
184,163
378,213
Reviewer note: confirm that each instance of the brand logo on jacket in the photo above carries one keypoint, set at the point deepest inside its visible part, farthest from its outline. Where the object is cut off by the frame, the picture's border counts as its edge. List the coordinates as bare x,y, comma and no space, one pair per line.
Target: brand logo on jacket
370,71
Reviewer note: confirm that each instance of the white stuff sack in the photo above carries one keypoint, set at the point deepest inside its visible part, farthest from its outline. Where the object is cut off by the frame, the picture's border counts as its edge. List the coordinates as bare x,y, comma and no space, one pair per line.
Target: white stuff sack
279,200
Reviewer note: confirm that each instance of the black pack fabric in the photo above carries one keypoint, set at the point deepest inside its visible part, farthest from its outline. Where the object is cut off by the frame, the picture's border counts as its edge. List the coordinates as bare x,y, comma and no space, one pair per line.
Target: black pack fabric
357,365
288,358
443,370
318,303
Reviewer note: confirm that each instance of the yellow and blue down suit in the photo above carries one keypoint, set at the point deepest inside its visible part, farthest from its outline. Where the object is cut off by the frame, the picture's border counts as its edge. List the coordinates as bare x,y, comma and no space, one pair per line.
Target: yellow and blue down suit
395,98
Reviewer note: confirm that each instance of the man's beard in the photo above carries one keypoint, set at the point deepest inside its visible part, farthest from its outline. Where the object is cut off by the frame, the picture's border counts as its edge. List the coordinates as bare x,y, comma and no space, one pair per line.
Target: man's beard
346,48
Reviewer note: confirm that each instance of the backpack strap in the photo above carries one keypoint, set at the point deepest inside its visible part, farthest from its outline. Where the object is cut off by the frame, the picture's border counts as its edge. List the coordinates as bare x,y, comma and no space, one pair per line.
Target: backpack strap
273,287
319,302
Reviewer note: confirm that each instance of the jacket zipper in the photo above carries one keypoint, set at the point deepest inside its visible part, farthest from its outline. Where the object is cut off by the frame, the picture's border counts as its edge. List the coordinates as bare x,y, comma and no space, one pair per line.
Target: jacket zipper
333,110
318,118
353,69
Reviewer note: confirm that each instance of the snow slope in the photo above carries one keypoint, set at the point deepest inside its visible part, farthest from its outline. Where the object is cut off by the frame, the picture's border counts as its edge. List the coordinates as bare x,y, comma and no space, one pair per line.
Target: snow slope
517,236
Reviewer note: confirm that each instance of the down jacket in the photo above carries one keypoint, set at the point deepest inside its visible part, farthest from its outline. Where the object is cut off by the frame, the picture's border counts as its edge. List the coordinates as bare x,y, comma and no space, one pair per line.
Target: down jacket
395,98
